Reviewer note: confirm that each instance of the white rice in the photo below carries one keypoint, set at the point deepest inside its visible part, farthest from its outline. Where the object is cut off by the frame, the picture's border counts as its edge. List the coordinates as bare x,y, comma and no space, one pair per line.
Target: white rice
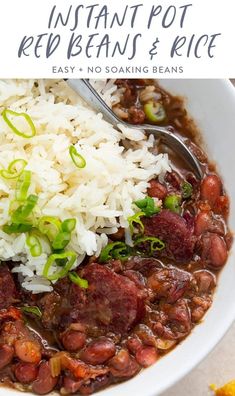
100,196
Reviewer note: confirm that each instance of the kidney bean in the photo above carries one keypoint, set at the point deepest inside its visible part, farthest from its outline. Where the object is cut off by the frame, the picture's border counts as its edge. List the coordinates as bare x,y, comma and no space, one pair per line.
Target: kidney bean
206,281
222,205
70,385
214,250
211,189
134,344
6,355
136,115
146,356
98,351
26,372
95,385
204,221
123,365
73,340
157,190
28,351
44,383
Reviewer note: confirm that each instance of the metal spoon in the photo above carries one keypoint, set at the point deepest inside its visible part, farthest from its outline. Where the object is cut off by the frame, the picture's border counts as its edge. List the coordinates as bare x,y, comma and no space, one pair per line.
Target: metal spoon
93,99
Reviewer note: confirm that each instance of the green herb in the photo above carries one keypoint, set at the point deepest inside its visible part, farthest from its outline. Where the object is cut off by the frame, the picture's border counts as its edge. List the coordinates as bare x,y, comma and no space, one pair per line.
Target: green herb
50,226
61,240
22,186
68,225
70,260
187,190
73,276
14,170
16,228
155,112
115,250
147,205
172,202
135,219
77,158
156,244
32,310
20,215
7,112
34,245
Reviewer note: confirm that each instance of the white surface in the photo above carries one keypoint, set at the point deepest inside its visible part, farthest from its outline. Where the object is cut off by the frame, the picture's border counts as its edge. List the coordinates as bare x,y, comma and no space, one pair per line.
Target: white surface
212,104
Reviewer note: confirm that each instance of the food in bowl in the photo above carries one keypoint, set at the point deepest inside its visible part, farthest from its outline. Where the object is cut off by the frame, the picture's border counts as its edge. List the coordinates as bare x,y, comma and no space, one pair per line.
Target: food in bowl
110,246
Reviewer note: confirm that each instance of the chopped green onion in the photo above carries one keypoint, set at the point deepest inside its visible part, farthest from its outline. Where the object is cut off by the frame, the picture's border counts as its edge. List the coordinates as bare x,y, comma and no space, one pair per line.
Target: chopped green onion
22,186
7,112
20,214
70,260
156,244
77,158
32,310
68,225
83,283
116,250
16,228
50,226
155,112
135,219
147,205
172,202
187,190
34,245
61,240
14,170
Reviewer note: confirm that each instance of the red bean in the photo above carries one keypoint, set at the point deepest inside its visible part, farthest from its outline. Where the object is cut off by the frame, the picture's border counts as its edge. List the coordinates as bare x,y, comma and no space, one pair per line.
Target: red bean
71,385
123,365
26,372
213,250
146,356
28,351
211,189
222,205
134,344
44,383
205,222
157,190
206,281
98,351
73,340
6,355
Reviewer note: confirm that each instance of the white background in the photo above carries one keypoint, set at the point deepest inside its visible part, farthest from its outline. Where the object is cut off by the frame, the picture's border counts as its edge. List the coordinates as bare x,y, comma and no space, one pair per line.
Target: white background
27,17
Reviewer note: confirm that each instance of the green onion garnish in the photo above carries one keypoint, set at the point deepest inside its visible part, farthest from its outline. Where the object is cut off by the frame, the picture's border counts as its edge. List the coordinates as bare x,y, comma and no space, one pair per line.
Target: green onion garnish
187,190
68,225
61,240
70,260
32,310
7,112
155,112
172,202
147,205
156,244
16,228
77,158
73,276
50,226
22,186
20,214
135,219
115,250
34,245
14,170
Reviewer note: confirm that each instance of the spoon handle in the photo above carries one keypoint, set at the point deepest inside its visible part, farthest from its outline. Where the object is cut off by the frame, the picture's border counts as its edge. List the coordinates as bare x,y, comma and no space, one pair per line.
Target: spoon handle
92,98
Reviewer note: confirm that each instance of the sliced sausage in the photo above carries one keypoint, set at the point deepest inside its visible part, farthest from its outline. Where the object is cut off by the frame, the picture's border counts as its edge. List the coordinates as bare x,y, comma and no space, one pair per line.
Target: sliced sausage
7,294
111,301
44,383
174,231
98,351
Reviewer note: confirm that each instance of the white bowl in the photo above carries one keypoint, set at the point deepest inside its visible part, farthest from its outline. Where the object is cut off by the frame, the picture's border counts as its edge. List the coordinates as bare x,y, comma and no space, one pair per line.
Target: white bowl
212,105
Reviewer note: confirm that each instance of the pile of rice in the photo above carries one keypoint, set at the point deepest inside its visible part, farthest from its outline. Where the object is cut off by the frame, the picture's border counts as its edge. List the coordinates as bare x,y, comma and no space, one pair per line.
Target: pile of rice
100,196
